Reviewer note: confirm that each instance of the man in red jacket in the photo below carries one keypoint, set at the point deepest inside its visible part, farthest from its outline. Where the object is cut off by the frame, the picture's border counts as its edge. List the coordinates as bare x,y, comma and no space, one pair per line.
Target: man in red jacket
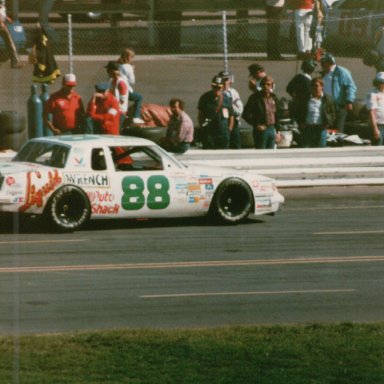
103,112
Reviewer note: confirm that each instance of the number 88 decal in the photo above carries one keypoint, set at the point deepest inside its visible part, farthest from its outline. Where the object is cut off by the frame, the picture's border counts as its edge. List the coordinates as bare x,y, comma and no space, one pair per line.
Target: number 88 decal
134,198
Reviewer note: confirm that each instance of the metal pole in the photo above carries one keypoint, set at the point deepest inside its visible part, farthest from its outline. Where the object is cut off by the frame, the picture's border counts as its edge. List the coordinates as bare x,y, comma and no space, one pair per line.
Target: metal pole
151,24
70,44
225,44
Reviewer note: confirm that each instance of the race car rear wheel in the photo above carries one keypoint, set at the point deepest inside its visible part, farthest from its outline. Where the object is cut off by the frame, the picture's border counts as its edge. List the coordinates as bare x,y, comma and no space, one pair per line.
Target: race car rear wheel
232,202
68,209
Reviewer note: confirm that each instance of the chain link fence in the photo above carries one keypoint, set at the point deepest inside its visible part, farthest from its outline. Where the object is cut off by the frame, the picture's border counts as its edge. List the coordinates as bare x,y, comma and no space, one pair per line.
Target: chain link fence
179,58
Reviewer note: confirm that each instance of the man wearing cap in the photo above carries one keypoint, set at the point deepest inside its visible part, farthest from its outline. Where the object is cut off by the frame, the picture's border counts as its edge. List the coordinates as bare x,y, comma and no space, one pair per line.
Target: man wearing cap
7,37
119,88
215,116
256,73
299,88
339,85
237,106
375,106
66,108
103,112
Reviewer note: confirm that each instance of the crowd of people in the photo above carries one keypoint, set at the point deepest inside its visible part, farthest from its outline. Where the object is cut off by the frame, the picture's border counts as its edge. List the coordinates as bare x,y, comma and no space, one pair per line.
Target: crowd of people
107,110
318,103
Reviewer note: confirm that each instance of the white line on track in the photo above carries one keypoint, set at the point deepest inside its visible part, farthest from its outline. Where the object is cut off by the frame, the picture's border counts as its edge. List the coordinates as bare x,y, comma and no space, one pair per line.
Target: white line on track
42,241
192,264
256,293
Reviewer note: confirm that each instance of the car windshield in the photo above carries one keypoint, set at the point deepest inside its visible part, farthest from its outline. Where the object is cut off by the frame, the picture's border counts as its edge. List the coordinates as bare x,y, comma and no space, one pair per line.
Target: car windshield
49,154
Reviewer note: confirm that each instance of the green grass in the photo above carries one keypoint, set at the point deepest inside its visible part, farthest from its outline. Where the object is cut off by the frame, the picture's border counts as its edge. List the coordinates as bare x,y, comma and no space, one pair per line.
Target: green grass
316,354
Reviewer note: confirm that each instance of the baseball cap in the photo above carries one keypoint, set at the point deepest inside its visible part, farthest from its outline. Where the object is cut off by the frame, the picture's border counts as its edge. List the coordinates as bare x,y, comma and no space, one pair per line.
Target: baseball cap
217,81
226,75
327,58
255,68
308,65
101,87
112,66
379,77
69,79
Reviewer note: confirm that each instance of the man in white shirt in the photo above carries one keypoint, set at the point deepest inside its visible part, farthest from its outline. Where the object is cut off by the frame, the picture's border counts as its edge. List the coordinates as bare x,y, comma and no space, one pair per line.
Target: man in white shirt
375,106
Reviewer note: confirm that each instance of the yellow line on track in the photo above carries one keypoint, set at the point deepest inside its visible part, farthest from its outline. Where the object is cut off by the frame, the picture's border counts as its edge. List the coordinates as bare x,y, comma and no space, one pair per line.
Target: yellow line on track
191,264
349,233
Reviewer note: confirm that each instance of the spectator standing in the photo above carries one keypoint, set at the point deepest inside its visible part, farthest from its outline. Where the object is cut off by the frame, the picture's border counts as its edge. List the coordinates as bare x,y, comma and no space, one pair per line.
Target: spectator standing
299,88
45,68
303,21
179,135
66,109
119,88
7,37
127,69
103,112
256,73
262,111
318,115
274,10
237,107
340,86
215,116
375,106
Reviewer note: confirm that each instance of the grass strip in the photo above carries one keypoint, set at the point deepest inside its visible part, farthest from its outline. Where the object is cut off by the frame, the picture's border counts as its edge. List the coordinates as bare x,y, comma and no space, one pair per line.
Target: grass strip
308,354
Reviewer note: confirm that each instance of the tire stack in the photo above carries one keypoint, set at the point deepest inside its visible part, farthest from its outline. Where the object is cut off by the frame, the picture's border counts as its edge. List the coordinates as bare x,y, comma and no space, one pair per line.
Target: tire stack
13,132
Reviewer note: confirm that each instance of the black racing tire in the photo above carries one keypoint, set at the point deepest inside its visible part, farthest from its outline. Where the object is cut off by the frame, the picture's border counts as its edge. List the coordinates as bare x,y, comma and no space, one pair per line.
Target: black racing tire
232,202
68,209
154,134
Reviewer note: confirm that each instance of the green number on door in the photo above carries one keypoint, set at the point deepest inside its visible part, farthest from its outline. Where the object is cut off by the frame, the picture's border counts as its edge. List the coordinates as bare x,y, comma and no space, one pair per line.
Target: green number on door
158,196
134,199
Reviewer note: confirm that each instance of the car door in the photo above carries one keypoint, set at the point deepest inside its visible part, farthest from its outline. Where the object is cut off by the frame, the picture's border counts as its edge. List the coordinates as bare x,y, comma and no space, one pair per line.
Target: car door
148,184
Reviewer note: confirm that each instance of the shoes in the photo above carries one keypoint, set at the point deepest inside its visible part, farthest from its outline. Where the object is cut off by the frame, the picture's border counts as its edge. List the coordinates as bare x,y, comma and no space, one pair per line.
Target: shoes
137,120
17,66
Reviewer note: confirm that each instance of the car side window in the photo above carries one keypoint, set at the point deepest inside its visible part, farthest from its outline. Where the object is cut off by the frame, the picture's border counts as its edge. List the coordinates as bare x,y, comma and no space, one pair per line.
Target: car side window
98,159
136,159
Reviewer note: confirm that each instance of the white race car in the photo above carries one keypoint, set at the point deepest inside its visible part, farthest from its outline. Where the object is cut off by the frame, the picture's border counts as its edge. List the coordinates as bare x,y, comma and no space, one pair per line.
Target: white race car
71,179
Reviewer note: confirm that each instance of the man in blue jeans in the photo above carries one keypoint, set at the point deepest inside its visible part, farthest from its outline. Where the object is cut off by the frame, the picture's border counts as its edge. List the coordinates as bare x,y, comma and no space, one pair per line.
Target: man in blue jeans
262,111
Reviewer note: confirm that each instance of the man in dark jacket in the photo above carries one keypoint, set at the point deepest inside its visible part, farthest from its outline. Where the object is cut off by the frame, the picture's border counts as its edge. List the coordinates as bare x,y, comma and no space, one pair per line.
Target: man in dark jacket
262,111
215,116
299,88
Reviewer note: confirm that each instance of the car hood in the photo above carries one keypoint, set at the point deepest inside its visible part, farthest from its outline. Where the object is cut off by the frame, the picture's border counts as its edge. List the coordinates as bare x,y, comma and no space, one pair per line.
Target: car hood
15,167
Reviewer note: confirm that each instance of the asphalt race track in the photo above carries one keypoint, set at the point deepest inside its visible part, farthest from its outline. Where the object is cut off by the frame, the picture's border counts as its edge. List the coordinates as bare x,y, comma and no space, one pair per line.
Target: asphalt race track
319,260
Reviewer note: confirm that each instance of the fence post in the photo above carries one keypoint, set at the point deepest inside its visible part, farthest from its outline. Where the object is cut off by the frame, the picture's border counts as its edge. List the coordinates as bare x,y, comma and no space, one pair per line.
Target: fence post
70,43
225,41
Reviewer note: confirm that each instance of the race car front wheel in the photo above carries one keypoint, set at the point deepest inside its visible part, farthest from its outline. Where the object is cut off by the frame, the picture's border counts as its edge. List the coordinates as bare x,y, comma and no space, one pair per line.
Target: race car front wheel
68,209
232,202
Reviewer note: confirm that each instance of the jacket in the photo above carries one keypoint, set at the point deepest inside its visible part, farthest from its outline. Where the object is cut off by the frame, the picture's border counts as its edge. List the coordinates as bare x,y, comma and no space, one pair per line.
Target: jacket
343,87
254,110
328,112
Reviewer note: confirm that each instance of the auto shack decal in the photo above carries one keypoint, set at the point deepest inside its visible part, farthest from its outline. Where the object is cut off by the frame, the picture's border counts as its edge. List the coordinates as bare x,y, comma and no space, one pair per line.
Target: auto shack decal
103,203
37,188
87,180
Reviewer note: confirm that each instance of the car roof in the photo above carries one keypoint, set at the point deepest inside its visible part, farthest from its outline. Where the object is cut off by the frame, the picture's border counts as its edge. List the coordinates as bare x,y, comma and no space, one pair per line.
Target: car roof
90,140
